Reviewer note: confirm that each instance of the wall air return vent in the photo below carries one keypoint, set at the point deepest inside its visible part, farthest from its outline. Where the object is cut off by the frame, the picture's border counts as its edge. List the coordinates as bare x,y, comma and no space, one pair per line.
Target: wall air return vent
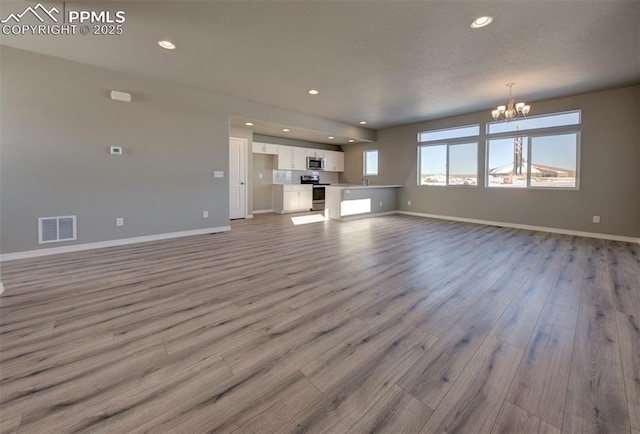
54,229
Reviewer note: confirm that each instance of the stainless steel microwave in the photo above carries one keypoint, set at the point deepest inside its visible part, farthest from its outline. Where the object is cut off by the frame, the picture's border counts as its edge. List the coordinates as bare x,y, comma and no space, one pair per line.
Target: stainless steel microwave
315,163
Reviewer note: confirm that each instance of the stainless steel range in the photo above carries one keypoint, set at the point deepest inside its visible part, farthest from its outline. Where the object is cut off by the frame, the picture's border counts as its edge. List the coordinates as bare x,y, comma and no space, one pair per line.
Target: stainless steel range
318,190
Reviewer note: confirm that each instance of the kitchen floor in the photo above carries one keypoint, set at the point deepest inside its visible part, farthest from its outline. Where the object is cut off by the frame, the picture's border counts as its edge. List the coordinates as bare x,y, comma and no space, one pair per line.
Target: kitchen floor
390,324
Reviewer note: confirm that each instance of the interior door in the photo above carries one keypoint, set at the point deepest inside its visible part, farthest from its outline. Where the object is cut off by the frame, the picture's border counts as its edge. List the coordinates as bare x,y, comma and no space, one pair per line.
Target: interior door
237,178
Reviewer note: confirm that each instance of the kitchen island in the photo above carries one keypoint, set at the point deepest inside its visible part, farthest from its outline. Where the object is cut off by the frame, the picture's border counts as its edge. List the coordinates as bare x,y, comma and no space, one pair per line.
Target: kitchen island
347,202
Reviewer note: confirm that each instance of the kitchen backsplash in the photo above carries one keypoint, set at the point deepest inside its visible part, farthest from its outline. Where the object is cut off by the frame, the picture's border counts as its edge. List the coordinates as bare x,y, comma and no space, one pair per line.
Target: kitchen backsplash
293,176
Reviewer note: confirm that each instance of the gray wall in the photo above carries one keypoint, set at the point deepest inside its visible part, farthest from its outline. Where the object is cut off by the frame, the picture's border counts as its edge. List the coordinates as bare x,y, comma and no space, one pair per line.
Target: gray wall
609,170
57,125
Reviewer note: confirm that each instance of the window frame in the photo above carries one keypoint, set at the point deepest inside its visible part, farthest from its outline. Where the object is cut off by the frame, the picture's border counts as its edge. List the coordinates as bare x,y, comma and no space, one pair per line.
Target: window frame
448,144
531,134
446,139
364,162
573,126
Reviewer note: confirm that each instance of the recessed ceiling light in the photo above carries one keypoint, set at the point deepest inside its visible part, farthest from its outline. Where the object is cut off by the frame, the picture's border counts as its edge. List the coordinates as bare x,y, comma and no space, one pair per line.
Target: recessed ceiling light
330,137
167,45
313,92
286,130
249,124
481,22
363,122
351,140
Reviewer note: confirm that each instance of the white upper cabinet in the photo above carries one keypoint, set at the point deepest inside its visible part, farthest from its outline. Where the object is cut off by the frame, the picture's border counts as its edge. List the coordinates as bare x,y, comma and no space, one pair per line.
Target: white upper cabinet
295,158
291,158
285,158
299,158
334,161
265,148
316,153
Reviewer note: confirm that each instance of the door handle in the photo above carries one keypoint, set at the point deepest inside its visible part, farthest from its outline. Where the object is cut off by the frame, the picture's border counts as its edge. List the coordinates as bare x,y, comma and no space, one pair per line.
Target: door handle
242,183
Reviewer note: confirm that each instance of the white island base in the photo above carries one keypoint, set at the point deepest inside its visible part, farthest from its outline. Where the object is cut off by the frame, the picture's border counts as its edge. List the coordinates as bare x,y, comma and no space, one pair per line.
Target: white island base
348,202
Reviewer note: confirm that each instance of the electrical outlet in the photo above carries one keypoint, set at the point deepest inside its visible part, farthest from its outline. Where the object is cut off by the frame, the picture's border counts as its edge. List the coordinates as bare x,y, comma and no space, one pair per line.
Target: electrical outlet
205,214
596,219
119,221
260,175
408,203
380,203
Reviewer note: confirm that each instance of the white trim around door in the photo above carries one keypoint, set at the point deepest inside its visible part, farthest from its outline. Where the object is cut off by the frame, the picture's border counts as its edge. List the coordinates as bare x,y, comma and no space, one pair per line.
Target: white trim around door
238,177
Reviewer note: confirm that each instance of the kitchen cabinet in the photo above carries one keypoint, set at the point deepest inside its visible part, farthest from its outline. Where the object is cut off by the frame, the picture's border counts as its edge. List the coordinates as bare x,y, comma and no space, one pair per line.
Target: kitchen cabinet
334,161
295,158
292,198
265,148
291,158
316,153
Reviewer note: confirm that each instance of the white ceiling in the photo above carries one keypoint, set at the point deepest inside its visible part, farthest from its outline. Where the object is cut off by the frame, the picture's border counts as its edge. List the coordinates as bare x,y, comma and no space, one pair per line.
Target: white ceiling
386,62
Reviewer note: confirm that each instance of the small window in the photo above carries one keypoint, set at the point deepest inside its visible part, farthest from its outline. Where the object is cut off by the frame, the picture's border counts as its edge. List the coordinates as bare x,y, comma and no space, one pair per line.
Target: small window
449,133
449,164
370,159
535,122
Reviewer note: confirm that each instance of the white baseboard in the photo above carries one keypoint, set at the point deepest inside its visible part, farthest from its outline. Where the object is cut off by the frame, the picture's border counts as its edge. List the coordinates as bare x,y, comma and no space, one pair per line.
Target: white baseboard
262,211
110,243
527,227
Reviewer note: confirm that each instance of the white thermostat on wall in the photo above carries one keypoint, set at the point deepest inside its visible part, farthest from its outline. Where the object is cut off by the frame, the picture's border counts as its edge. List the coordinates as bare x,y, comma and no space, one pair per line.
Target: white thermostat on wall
116,150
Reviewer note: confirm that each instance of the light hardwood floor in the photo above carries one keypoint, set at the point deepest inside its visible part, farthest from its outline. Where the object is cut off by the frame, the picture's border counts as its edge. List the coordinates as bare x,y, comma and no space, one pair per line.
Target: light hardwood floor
394,324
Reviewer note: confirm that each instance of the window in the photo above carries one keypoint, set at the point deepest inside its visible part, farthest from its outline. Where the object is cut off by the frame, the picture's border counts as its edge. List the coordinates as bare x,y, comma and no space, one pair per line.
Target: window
370,159
535,122
449,164
433,165
535,159
463,164
507,162
454,162
449,133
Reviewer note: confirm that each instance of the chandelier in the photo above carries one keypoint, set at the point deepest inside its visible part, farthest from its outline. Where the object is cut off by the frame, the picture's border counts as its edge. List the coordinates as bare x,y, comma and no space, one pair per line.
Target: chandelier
512,110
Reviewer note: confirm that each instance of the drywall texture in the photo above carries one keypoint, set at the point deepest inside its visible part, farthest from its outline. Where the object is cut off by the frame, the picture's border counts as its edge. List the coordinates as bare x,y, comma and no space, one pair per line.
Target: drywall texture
609,175
57,126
